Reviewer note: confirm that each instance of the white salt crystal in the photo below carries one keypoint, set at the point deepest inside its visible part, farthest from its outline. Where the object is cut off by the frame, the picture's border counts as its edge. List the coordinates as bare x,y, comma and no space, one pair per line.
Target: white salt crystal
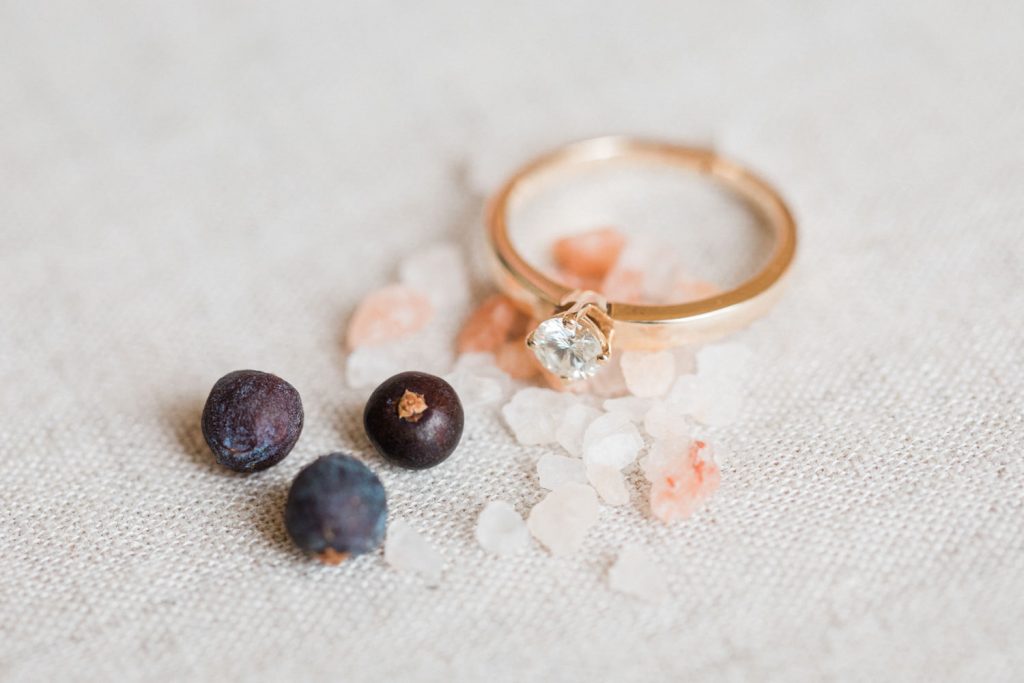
407,551
478,381
569,432
555,470
439,272
648,373
609,380
636,573
370,365
500,529
534,414
728,360
561,521
609,484
612,440
632,407
666,420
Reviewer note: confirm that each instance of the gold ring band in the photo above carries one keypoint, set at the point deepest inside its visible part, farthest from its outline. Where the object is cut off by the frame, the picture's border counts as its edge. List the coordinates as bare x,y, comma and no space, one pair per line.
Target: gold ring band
647,326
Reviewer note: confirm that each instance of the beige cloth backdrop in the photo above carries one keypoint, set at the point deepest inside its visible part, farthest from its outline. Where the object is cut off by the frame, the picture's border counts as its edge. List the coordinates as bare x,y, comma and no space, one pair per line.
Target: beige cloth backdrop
191,187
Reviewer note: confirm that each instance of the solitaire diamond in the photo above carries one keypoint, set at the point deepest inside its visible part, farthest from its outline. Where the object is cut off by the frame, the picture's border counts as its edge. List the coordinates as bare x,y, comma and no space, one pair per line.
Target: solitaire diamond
568,347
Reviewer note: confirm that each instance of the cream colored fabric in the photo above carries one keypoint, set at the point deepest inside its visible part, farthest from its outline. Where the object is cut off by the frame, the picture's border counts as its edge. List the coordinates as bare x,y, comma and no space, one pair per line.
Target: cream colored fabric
193,187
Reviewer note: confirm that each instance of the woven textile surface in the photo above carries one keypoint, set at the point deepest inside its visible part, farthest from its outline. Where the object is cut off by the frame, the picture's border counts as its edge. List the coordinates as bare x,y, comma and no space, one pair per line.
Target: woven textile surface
193,187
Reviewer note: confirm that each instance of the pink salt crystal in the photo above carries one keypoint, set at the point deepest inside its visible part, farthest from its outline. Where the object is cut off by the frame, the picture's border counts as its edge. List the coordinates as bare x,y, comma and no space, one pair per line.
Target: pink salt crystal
490,325
387,314
624,285
589,255
516,359
681,479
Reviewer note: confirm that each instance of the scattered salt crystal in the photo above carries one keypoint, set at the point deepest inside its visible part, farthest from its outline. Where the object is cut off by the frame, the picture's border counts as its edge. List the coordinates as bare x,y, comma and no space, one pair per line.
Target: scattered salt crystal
682,475
368,366
609,484
407,551
534,414
728,360
500,529
569,433
612,440
387,314
561,521
555,470
439,272
648,373
633,407
714,400
636,573
477,380
589,254
609,381
493,323
516,359
665,420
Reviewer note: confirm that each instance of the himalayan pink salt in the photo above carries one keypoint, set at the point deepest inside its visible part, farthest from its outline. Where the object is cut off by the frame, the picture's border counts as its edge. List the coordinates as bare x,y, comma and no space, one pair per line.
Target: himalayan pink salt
490,325
555,470
612,440
500,530
682,477
516,359
570,431
407,551
636,573
609,483
648,373
624,285
589,254
561,521
388,314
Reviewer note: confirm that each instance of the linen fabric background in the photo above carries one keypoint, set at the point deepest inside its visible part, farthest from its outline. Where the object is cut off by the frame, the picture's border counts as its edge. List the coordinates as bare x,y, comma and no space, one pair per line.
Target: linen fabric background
194,187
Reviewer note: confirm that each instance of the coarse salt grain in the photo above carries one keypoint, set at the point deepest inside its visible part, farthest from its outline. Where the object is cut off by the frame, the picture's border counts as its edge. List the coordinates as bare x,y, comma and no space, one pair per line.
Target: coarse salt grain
555,470
407,551
682,475
633,407
570,431
612,440
561,521
648,374
609,484
500,530
534,414
388,314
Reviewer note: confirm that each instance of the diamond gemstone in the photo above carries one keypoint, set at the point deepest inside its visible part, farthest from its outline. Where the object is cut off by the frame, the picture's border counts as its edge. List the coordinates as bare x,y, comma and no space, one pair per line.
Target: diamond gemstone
567,348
